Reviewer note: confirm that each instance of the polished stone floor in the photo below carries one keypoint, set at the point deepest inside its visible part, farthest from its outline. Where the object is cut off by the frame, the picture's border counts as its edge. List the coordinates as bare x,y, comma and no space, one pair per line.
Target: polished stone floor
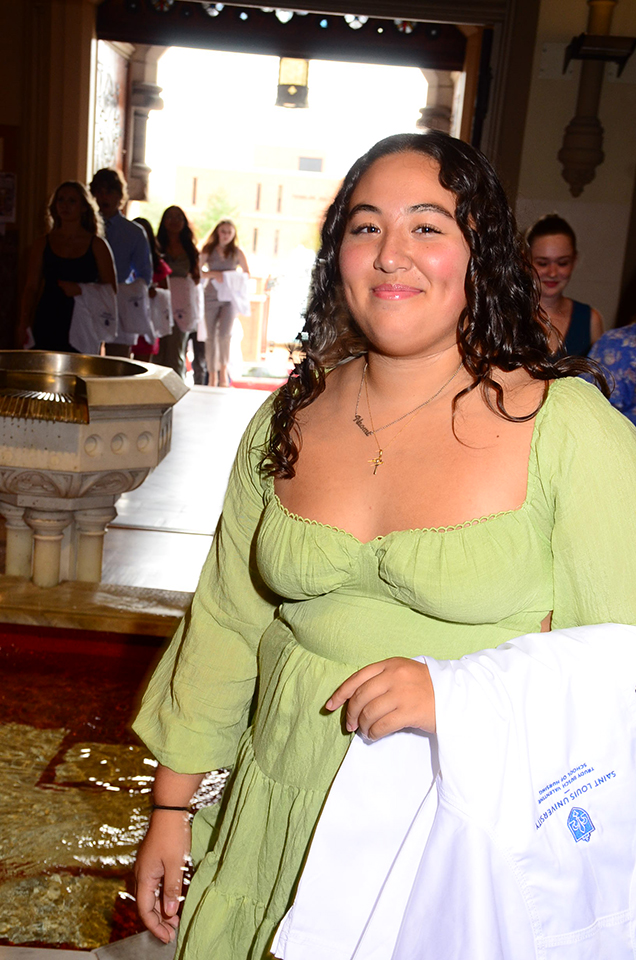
74,796
141,946
164,529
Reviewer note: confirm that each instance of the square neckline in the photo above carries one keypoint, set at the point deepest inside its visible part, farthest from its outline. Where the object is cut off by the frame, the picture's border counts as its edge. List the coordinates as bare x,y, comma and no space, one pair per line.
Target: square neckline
450,528
59,257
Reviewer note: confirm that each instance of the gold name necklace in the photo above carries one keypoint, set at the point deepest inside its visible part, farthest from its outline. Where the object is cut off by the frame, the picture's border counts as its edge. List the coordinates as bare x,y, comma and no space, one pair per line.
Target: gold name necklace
411,414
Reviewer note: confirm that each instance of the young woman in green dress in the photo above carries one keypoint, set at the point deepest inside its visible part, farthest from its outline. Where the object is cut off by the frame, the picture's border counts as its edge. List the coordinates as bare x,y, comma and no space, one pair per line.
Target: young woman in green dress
431,480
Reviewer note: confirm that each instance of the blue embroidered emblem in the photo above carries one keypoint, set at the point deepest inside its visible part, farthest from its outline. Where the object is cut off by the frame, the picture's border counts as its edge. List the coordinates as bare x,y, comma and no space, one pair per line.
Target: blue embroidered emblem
580,824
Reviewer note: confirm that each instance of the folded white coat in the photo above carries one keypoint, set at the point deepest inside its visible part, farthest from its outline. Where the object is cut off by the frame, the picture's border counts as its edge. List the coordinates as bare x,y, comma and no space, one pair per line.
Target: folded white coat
235,288
94,319
187,302
510,835
161,312
134,312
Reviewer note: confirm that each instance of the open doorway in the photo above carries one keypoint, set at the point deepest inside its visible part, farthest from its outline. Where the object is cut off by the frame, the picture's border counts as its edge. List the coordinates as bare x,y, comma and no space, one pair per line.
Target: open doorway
220,147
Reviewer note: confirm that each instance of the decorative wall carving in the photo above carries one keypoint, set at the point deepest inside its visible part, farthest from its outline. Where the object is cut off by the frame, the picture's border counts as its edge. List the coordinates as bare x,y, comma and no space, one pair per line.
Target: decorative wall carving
110,108
113,482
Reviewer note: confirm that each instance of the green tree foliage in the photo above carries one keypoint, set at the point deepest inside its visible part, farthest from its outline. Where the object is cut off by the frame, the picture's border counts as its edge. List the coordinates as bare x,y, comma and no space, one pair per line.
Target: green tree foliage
218,207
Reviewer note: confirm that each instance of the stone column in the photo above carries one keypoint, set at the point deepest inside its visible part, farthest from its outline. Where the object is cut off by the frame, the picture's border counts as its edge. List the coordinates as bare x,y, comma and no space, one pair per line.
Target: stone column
19,549
437,114
144,97
91,526
48,527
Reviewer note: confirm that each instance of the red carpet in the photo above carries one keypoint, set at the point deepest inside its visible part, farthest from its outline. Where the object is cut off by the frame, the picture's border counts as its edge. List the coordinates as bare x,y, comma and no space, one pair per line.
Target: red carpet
87,683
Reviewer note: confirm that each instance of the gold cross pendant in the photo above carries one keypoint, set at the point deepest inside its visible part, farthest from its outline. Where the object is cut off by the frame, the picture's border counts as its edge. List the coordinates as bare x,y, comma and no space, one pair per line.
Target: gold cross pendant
376,461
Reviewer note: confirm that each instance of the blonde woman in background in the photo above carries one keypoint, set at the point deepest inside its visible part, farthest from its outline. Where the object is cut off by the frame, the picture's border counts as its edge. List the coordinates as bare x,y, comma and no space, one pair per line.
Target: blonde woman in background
219,252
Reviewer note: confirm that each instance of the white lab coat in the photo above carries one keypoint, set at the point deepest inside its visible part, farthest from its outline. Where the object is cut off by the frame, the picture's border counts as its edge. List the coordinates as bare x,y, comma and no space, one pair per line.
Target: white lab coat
134,312
161,312
510,835
187,303
235,289
94,320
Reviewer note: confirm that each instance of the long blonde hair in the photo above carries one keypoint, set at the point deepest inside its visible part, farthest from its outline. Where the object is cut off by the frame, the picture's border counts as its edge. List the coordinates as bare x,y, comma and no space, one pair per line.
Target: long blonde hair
211,240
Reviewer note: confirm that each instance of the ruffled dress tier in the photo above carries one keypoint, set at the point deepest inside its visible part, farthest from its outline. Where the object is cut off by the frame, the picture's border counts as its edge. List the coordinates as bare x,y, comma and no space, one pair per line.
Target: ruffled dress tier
287,608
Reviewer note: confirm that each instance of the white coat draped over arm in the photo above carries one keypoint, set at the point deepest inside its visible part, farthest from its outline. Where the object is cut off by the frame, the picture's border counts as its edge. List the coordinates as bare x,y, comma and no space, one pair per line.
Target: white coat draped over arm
525,846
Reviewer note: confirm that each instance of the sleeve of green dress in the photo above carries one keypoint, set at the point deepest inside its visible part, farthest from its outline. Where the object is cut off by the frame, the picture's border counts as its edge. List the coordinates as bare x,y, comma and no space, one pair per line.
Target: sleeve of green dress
197,704
591,452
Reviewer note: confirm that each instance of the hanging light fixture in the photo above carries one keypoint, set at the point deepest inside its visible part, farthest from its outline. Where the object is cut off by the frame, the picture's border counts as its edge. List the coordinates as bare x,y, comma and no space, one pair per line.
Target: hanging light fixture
293,86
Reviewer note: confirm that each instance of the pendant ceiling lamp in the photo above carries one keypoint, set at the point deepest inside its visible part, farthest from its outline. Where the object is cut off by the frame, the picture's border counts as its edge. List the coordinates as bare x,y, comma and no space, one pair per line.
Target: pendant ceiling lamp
293,78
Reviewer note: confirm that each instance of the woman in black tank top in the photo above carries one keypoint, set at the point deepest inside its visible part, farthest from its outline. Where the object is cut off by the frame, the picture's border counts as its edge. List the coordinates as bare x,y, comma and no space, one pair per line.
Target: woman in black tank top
70,254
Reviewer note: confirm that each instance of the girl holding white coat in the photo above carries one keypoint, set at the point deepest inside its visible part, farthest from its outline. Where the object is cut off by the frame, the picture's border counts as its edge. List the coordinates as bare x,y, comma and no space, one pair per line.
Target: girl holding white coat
219,253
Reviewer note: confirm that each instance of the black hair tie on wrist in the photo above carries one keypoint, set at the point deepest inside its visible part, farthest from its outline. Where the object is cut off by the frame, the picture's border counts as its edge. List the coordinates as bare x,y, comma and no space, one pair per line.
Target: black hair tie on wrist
161,806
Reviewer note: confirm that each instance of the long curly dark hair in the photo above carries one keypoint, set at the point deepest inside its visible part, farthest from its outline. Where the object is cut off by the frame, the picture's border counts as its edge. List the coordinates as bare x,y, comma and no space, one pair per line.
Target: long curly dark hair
501,327
186,236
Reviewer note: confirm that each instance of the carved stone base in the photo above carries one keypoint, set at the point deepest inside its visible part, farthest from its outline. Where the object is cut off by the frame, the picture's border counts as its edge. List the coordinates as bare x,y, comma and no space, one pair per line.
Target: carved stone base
66,490
56,521
48,528
91,527
19,546
60,479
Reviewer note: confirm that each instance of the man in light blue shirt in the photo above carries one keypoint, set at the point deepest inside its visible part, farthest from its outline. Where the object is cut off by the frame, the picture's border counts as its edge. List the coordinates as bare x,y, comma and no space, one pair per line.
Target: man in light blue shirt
127,240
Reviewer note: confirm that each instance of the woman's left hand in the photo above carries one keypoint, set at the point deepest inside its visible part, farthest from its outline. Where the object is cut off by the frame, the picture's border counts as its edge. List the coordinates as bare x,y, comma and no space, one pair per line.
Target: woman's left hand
70,288
387,696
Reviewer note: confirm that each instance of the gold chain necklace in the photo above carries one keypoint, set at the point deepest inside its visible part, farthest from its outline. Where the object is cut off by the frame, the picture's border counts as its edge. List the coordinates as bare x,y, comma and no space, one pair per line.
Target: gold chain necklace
411,414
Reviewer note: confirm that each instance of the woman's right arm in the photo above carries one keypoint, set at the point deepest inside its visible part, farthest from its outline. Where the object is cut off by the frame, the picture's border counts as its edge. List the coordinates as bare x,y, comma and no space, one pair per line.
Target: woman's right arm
163,855
197,705
31,288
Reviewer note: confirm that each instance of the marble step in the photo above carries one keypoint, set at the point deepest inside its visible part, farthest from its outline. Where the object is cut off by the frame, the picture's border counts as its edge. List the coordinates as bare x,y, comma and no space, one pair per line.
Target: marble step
143,946
38,953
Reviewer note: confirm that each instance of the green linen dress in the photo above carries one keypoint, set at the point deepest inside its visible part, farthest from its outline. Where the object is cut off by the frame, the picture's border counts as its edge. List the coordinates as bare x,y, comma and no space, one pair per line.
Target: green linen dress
287,608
